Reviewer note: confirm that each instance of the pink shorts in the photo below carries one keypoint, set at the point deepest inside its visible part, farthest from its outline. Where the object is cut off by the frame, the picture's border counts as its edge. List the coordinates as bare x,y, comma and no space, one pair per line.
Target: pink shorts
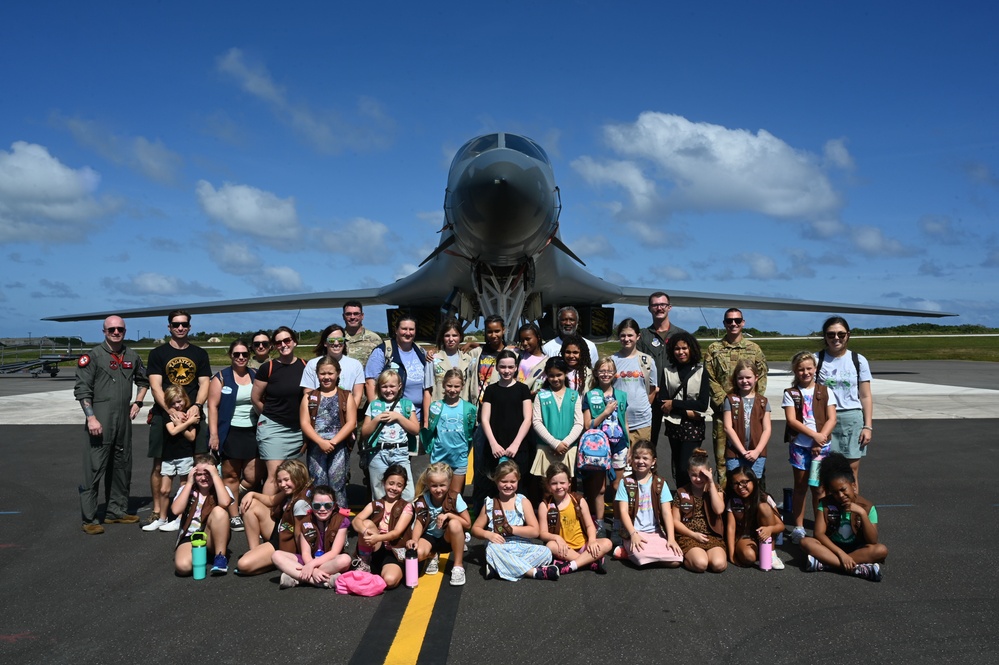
654,550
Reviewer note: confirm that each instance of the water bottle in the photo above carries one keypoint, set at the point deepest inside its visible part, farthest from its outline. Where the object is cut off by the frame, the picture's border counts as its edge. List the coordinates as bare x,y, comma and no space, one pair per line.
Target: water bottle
412,569
813,472
199,554
766,553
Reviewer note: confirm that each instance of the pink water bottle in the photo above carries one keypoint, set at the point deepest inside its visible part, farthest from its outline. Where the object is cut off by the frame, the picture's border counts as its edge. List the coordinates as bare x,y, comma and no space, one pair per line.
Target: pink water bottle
412,568
767,553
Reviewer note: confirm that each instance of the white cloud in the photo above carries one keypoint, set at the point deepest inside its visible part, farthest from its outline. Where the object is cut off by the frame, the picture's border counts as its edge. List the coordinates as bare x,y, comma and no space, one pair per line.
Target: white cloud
711,167
760,266
278,279
941,229
54,289
836,154
361,240
155,284
991,259
872,241
671,273
625,174
802,265
43,200
235,258
404,270
246,209
592,246
981,173
151,158
326,131
646,233
434,218
931,269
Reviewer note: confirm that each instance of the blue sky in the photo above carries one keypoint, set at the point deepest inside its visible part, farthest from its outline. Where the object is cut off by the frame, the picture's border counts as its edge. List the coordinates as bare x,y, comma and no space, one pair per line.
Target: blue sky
177,152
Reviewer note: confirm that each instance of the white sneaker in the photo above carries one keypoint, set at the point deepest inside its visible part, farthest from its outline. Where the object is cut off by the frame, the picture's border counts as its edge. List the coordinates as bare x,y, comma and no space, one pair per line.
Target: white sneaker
457,576
797,534
171,526
433,566
776,563
155,524
287,581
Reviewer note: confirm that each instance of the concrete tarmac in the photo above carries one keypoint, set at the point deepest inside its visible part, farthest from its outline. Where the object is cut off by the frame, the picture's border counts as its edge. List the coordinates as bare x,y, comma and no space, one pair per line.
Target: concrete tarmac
69,597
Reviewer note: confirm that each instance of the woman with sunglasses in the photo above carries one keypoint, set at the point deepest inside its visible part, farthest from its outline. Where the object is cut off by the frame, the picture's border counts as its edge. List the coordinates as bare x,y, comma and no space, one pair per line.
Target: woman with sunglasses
232,426
261,348
848,375
277,396
333,344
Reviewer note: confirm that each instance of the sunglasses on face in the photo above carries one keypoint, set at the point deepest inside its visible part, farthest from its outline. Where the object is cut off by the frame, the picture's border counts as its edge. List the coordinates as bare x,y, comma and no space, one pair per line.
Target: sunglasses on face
283,342
180,324
240,354
836,335
336,341
262,345
735,320
115,330
742,483
322,506
660,305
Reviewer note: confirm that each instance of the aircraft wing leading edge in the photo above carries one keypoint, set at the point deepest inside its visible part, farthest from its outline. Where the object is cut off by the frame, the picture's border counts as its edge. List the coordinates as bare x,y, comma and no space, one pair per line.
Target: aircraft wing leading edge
640,296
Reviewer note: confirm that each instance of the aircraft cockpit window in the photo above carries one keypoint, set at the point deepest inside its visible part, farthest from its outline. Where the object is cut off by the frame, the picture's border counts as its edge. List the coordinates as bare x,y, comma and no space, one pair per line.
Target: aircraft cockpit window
476,146
526,146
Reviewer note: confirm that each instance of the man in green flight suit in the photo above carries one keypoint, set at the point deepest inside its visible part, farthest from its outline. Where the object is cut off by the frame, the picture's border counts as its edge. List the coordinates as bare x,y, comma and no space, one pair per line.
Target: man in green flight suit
719,362
104,378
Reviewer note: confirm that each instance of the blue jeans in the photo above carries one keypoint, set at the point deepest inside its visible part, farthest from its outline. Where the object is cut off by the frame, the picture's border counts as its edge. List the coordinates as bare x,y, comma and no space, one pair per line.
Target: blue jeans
382,460
736,462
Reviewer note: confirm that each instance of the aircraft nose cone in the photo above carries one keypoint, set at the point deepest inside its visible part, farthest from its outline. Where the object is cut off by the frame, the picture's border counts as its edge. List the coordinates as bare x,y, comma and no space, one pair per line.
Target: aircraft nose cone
502,203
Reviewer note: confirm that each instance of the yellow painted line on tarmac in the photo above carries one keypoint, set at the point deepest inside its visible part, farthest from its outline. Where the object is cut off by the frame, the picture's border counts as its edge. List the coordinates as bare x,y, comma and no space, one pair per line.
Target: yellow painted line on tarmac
405,649
470,474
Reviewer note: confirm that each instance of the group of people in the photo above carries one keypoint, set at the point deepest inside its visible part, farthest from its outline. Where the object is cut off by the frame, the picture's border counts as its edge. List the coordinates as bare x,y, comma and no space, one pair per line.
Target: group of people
263,446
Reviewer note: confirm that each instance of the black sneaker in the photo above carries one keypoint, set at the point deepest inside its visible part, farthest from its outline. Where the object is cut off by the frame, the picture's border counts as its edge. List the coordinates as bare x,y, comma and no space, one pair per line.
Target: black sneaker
598,567
491,573
547,573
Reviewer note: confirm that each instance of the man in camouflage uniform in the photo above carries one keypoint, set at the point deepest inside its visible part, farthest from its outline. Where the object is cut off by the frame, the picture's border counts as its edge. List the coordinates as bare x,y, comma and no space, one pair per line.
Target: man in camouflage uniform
104,378
360,342
719,362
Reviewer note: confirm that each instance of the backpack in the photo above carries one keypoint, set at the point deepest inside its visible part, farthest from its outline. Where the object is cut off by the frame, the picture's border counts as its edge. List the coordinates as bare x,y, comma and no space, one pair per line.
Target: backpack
594,453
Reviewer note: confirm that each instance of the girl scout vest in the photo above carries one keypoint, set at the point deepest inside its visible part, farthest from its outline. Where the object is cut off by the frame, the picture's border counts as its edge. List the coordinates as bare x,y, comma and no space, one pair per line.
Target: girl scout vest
554,522
820,401
378,512
631,487
468,420
755,422
558,421
619,436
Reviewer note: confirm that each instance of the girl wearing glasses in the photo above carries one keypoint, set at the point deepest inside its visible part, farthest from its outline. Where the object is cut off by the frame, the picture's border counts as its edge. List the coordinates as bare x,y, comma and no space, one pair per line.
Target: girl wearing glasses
321,535
847,374
277,397
232,426
333,344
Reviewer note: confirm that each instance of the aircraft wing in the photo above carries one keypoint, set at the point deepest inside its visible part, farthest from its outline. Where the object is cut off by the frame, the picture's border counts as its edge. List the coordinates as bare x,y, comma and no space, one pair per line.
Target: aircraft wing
326,299
632,295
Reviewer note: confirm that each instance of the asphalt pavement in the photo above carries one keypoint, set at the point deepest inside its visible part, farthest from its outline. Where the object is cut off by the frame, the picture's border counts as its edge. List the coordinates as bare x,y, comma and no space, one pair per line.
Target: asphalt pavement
69,597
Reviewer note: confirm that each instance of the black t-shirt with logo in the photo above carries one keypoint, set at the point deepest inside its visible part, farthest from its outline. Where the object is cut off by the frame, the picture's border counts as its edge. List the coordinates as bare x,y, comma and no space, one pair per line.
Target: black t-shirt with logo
180,367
